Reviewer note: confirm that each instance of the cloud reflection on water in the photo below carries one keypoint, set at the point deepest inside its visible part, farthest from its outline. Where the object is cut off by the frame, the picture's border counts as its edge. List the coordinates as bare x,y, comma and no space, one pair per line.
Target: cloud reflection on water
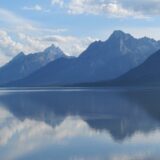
80,125
72,139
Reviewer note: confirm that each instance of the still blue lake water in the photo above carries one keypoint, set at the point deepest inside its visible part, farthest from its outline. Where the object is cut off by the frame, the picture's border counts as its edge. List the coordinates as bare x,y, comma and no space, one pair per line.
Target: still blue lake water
80,124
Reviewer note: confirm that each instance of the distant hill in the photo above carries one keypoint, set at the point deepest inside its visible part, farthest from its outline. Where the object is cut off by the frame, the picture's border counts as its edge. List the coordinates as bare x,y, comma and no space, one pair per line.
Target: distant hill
22,65
100,61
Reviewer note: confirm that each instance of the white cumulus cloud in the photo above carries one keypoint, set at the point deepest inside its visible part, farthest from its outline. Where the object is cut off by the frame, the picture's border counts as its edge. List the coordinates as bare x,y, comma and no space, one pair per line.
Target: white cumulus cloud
27,36
112,8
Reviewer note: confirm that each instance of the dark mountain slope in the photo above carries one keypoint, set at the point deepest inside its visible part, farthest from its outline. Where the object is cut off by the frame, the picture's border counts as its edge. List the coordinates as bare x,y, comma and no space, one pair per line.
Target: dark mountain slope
147,73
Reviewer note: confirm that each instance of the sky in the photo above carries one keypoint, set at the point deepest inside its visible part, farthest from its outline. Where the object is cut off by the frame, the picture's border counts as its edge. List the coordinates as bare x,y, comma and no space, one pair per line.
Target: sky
32,25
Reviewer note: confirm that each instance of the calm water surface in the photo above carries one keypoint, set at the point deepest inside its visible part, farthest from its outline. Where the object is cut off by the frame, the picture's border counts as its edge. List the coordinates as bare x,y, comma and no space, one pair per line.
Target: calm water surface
80,124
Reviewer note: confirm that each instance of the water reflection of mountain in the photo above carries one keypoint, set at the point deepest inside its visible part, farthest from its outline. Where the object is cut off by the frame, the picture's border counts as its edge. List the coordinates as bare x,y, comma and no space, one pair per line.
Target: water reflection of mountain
148,99
122,113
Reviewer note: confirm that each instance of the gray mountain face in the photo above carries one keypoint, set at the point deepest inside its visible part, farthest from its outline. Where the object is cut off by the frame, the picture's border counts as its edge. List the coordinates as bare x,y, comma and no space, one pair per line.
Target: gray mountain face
120,53
100,61
147,73
22,65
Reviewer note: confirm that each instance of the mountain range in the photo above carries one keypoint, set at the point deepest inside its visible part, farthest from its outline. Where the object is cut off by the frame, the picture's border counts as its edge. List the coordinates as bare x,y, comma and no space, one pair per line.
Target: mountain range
101,61
23,65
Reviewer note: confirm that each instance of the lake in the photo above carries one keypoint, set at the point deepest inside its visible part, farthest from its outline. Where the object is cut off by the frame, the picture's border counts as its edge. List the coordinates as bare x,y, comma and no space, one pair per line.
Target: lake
80,124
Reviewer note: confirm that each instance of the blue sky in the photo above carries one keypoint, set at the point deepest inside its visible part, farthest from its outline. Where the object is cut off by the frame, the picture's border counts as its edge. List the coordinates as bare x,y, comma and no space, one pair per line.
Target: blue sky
72,25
